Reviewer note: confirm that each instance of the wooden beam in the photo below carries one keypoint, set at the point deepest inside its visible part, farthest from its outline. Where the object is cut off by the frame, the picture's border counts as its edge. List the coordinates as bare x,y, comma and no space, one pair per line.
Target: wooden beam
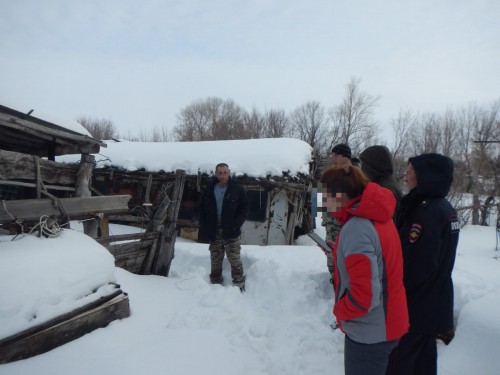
27,184
76,208
65,328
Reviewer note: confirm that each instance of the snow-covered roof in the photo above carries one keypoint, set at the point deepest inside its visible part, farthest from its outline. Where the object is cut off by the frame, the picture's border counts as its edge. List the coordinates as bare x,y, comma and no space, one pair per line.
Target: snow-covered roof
252,157
25,107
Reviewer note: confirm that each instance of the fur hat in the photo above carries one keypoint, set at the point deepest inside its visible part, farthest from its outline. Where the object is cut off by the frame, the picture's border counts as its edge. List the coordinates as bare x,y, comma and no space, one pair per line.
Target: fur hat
342,149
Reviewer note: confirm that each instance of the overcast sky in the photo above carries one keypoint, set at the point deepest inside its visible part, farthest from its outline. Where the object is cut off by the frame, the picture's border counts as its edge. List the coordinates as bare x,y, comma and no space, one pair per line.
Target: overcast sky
138,63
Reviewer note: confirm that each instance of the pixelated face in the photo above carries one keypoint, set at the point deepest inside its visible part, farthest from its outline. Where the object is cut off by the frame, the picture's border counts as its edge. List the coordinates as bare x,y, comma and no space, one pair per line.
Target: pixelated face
332,202
222,174
340,160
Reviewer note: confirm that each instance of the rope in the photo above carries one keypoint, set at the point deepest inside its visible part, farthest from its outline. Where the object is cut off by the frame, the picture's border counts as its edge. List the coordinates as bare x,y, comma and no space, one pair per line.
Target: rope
48,227
7,211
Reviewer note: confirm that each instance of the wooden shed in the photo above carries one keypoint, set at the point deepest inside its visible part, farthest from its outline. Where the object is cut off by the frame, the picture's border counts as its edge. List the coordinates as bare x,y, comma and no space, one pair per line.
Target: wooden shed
34,185
277,175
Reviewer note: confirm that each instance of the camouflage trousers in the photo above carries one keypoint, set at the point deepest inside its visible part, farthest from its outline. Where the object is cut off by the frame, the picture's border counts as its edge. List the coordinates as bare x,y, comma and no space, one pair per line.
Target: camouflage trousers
231,247
332,228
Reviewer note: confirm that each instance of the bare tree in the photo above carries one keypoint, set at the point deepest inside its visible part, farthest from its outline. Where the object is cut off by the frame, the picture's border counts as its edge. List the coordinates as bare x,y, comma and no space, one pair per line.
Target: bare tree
277,124
193,122
254,124
98,128
310,124
211,119
402,126
352,120
427,135
470,136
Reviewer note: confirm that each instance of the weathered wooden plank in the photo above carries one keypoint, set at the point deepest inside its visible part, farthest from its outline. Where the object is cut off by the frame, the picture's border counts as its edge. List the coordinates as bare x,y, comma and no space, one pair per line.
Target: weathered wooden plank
130,255
169,233
131,265
18,166
28,184
76,208
129,249
128,237
52,132
64,328
155,225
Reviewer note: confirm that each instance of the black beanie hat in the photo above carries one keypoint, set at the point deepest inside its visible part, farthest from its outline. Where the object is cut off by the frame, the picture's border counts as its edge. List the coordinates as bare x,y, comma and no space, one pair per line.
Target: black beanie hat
342,149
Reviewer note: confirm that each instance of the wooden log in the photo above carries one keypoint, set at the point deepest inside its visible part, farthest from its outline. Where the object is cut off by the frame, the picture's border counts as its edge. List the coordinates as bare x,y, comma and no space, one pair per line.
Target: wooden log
76,208
65,328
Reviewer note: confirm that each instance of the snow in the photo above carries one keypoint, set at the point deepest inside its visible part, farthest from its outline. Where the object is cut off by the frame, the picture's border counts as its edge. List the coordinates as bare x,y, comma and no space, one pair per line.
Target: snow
35,284
274,156
184,325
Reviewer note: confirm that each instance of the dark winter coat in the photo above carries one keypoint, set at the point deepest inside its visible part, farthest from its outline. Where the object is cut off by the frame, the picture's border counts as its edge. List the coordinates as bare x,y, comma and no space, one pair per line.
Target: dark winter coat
376,163
370,300
429,232
233,215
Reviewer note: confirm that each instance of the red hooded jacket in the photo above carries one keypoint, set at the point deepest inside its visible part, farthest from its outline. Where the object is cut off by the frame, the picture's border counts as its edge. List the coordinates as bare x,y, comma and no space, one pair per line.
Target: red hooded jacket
370,299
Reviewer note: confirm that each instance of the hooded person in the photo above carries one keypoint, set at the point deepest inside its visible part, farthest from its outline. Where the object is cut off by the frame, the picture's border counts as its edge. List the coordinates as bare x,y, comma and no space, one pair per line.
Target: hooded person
376,163
429,231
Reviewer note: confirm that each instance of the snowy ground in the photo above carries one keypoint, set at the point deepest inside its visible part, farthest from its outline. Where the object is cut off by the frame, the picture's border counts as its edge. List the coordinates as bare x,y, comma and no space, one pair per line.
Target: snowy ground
184,325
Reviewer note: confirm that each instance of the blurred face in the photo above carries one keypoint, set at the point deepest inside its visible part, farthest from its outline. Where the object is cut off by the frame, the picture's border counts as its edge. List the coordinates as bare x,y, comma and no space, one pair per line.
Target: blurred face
222,174
333,202
340,160
411,177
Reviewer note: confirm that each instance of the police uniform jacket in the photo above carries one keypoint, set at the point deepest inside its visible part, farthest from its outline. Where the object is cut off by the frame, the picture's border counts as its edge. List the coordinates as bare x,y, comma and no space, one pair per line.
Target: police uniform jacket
429,232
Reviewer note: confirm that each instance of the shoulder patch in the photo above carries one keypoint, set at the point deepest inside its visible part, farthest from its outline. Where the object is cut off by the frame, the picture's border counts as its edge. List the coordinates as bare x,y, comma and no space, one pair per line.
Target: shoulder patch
415,232
454,224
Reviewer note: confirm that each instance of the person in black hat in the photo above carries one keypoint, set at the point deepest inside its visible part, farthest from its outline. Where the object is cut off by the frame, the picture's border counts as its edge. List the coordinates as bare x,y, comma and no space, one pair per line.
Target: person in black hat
341,155
376,163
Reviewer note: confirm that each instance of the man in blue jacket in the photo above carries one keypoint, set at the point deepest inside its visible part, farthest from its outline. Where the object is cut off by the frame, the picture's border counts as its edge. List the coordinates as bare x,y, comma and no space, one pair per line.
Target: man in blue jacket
429,230
223,210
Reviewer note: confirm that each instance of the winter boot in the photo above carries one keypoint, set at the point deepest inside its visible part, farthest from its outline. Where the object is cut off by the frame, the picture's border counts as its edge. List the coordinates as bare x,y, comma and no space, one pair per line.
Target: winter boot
240,283
218,279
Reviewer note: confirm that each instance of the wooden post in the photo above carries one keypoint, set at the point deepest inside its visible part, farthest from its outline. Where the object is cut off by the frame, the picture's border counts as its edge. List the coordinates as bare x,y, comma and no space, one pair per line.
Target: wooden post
83,180
38,177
